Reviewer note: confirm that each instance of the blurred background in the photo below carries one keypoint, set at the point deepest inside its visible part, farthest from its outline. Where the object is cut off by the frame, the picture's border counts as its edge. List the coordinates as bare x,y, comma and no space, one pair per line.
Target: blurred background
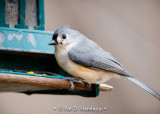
130,30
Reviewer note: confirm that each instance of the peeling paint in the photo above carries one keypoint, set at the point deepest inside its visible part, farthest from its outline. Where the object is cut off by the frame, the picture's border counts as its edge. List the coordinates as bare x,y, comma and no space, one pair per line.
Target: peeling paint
2,37
14,35
9,48
34,50
31,39
2,48
17,49
48,51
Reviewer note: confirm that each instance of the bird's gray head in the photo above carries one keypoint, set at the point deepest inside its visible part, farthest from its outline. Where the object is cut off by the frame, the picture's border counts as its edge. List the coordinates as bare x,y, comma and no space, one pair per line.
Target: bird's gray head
65,36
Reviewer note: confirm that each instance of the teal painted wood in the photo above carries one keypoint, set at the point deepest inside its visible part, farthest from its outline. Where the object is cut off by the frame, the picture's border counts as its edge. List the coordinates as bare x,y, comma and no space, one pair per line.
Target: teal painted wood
59,91
37,75
25,40
22,15
96,89
2,14
40,15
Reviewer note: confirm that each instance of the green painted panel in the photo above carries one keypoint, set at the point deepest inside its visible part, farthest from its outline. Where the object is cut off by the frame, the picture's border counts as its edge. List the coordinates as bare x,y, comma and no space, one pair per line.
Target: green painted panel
25,40
2,14
40,15
22,15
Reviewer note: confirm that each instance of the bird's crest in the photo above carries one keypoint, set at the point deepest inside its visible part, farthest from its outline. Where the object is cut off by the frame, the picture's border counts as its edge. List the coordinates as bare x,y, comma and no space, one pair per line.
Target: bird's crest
62,29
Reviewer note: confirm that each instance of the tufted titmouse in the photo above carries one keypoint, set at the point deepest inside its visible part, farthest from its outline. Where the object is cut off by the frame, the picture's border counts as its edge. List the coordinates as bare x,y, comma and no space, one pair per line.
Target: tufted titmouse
83,58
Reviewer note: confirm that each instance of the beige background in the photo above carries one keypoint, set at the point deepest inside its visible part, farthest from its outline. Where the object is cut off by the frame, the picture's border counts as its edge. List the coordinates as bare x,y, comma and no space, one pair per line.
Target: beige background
130,30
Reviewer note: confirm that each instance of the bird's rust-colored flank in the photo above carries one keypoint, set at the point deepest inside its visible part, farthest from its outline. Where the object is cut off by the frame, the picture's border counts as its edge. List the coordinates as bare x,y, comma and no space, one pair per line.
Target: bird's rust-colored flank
81,68
89,75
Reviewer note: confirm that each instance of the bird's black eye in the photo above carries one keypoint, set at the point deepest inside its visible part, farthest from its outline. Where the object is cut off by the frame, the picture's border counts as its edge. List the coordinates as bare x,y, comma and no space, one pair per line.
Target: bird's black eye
54,36
64,36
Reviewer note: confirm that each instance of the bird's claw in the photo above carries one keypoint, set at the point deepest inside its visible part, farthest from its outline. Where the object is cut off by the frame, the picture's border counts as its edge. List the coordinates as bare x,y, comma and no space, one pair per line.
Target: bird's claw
72,84
74,79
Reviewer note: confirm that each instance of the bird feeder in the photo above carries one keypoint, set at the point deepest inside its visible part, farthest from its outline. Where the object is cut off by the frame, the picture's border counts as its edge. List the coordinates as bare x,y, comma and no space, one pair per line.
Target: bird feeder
27,62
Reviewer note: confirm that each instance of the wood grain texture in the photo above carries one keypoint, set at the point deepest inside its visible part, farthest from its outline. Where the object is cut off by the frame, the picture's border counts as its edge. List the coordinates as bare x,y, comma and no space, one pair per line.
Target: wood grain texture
17,83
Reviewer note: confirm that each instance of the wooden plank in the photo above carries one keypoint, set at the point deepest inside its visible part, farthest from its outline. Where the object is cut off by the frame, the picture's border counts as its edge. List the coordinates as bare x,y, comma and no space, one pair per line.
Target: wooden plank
50,83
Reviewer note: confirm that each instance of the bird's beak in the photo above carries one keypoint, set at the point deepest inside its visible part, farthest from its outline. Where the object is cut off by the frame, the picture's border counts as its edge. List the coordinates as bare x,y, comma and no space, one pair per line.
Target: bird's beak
53,42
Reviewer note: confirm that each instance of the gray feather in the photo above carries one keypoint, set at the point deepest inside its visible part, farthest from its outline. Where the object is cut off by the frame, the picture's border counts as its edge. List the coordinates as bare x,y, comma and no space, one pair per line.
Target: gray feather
89,54
62,29
143,86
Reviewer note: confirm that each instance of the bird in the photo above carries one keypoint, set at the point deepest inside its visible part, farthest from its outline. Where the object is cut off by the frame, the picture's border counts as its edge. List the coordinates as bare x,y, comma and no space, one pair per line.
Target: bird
85,59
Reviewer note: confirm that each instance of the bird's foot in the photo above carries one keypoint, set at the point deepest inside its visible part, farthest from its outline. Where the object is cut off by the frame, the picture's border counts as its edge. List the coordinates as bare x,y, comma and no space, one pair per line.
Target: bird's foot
74,79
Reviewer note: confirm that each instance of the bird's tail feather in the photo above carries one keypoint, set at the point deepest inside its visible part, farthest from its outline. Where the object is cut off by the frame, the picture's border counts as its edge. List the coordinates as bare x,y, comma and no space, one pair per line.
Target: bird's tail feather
143,86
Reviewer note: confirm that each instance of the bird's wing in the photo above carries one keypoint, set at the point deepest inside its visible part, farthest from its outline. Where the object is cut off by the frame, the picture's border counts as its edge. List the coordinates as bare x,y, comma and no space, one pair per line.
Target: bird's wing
94,57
